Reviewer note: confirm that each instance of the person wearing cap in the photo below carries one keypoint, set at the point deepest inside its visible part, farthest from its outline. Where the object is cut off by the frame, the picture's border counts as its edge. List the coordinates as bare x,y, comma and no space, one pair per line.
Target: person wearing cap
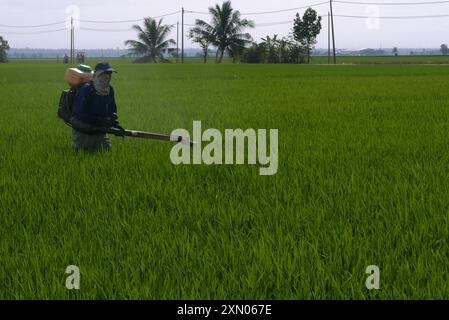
94,111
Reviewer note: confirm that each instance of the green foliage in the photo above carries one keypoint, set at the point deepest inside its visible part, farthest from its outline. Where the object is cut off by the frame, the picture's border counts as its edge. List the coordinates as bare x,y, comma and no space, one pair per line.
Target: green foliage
274,50
153,41
254,54
225,30
306,30
4,46
444,49
362,180
296,53
395,51
270,46
200,36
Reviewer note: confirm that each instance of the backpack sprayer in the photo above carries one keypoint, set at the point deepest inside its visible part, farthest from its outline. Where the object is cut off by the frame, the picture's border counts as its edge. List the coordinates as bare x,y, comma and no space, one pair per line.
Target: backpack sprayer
77,77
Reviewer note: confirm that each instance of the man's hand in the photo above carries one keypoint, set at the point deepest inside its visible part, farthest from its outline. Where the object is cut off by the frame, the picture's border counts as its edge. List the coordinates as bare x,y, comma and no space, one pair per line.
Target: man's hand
114,126
85,127
109,122
106,125
117,131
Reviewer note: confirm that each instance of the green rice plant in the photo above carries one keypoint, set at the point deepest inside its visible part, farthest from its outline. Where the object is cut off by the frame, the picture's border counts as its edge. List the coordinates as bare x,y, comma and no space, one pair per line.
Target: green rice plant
362,180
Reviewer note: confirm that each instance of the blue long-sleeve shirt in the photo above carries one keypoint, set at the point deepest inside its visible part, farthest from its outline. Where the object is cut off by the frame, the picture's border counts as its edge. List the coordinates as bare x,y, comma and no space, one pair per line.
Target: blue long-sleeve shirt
92,108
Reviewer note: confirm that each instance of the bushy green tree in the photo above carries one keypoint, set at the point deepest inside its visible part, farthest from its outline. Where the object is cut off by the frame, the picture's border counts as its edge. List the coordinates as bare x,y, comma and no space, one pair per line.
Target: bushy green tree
4,46
274,50
254,54
395,51
198,35
307,29
270,46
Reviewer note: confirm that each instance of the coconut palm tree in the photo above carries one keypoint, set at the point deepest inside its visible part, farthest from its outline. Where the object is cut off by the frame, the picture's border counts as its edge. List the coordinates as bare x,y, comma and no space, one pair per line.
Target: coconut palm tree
226,29
153,41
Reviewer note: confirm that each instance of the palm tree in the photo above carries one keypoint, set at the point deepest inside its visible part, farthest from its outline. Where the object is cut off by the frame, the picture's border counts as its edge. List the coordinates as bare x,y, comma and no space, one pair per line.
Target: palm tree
153,41
226,29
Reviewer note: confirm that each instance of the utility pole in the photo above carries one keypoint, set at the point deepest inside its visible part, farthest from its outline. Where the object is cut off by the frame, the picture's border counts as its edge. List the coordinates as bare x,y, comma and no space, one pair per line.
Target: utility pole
333,33
71,40
328,38
177,42
182,37
73,43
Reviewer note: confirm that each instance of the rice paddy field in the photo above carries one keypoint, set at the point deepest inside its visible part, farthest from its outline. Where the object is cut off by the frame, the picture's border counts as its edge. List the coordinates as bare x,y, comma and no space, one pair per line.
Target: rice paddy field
362,180
391,59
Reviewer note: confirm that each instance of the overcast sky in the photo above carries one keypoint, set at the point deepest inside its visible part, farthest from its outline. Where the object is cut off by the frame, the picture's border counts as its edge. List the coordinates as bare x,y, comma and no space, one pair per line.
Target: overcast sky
351,33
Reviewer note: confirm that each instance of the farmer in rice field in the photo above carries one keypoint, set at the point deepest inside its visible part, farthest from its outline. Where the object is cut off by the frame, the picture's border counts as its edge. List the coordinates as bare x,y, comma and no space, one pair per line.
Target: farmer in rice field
94,111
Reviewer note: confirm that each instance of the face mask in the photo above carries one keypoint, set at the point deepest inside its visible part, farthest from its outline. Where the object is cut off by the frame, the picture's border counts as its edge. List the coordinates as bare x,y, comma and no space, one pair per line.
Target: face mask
102,83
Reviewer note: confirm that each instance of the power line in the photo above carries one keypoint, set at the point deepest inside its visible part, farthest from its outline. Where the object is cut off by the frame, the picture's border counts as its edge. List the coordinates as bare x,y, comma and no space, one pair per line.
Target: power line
285,10
34,32
266,12
391,3
269,24
87,21
121,21
35,26
258,13
130,21
196,12
394,18
106,30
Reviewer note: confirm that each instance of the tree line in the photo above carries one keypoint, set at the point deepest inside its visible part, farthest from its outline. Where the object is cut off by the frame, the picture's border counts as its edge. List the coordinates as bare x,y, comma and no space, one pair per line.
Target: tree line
227,34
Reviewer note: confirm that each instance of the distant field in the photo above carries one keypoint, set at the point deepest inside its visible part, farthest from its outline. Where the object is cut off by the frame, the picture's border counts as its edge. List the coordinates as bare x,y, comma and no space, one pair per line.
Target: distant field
362,180
411,59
